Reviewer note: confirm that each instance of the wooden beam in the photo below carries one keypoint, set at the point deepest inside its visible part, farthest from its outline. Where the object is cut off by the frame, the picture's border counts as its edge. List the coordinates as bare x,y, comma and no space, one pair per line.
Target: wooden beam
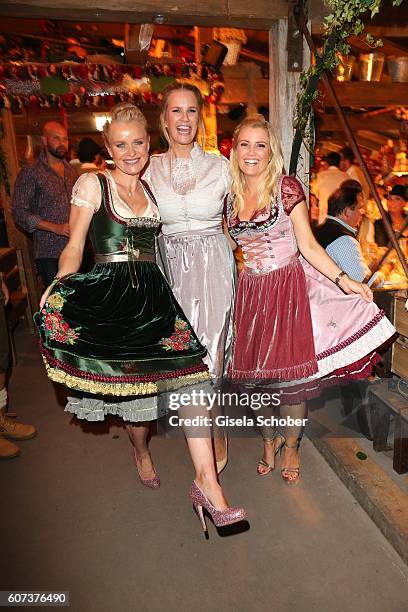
390,31
254,55
17,238
364,95
378,31
380,124
258,14
236,91
388,48
338,139
284,87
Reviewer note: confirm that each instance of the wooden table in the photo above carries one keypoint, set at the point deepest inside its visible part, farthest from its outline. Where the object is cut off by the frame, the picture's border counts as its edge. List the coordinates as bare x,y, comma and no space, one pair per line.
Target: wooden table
384,401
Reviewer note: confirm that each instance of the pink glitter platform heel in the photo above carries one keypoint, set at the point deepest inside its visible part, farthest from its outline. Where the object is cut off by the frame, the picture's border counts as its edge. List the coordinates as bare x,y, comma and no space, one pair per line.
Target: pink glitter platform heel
220,518
151,483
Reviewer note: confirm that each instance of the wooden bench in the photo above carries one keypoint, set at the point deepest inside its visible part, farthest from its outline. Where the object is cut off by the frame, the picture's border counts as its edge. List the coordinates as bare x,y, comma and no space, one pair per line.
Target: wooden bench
14,278
385,402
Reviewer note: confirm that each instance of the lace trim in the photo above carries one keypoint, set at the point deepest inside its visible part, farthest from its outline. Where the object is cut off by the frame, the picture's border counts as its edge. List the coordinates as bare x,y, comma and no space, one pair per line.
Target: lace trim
121,389
382,332
355,371
359,349
380,315
148,222
276,213
133,410
82,203
182,175
365,344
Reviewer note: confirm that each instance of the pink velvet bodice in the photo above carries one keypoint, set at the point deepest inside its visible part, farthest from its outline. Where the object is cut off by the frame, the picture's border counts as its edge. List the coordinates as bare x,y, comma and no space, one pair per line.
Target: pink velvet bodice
268,240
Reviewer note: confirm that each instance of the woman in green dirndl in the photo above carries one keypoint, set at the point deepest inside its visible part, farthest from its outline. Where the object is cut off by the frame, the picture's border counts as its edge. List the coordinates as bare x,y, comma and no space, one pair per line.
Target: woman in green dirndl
117,333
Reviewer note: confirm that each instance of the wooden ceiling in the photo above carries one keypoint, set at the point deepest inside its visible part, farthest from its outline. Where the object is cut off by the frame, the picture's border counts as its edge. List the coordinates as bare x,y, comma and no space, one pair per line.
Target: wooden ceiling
239,13
360,100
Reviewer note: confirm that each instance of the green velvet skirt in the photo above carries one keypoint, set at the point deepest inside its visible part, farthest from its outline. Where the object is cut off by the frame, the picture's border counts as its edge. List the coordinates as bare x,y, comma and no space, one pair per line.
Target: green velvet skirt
104,334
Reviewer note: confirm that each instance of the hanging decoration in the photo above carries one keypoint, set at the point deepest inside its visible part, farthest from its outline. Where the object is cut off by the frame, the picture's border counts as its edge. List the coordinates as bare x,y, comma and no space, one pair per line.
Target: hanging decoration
75,85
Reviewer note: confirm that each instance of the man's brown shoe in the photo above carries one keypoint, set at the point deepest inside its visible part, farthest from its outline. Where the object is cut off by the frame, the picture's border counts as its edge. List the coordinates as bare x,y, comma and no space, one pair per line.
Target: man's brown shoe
8,450
16,431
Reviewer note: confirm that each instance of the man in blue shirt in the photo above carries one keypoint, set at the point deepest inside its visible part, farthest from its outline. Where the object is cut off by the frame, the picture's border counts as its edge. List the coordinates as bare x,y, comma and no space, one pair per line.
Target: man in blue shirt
41,200
338,234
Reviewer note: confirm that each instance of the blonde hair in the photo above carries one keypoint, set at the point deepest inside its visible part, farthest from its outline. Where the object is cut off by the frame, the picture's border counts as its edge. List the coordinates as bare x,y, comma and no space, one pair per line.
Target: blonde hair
181,86
125,111
268,185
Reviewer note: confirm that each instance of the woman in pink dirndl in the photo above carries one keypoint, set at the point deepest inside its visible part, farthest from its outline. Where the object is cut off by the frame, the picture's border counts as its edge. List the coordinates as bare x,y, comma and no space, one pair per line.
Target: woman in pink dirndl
300,322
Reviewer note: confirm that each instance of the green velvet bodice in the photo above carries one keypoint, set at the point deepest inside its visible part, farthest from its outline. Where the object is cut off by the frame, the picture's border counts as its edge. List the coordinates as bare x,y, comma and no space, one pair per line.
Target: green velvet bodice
111,234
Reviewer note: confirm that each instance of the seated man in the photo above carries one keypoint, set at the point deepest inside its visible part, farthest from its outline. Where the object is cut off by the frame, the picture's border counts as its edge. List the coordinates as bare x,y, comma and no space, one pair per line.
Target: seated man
338,234
396,203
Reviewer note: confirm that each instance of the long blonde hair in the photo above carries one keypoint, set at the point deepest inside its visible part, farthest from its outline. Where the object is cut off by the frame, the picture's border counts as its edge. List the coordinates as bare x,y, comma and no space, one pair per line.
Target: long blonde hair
268,185
181,86
124,111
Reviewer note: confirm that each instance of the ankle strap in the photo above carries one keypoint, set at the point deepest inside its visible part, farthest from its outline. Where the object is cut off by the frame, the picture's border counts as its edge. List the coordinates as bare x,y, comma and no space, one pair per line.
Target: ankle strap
295,445
275,435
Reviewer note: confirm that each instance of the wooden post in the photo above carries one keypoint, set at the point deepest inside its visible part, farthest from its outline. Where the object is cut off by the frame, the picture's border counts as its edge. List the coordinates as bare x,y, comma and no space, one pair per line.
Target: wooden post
17,238
252,99
283,89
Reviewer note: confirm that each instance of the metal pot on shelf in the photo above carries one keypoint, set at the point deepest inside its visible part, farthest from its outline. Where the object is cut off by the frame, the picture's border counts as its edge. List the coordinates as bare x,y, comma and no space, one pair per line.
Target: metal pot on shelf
345,68
371,66
398,69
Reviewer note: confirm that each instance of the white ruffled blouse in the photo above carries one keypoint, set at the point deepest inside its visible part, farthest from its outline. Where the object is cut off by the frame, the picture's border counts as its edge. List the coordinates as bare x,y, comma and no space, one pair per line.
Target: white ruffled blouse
189,192
87,192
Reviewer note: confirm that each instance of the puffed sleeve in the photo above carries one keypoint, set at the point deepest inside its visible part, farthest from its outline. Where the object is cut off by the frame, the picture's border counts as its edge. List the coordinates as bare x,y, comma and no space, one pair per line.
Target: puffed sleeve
87,192
226,174
292,193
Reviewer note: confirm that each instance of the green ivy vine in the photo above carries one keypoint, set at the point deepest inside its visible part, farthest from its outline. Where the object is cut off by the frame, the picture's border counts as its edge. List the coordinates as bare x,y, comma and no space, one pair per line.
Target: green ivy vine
344,20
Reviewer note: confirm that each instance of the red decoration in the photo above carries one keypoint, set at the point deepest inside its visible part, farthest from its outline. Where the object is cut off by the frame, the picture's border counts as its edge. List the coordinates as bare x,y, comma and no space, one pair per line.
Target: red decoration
87,79
225,147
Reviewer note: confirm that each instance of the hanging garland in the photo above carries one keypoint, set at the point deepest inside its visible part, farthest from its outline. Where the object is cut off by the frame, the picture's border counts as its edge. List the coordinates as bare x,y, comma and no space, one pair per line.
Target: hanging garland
76,85
343,21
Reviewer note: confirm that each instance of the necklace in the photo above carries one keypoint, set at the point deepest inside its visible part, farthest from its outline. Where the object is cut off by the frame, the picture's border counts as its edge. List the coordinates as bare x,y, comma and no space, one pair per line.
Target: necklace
128,191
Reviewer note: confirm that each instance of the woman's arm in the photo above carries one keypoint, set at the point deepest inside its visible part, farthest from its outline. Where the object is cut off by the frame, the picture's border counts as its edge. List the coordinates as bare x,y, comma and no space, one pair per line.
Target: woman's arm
71,257
317,256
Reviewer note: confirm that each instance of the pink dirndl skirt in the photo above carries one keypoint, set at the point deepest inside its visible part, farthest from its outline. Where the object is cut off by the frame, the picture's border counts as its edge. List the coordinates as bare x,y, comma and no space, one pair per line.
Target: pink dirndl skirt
295,332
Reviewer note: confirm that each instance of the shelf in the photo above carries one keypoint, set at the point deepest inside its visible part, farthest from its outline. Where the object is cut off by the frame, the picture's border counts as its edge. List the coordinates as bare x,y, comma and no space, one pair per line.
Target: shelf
364,94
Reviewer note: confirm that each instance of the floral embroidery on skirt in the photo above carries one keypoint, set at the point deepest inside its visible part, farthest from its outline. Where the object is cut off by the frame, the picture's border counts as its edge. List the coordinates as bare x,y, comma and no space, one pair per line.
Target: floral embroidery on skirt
181,339
55,327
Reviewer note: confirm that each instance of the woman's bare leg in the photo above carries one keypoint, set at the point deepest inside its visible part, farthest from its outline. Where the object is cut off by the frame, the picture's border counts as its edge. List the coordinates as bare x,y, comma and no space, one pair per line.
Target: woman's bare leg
138,434
290,455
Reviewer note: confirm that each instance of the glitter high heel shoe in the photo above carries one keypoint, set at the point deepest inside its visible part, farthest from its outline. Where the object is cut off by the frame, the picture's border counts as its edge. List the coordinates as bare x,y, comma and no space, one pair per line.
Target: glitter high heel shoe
151,483
220,518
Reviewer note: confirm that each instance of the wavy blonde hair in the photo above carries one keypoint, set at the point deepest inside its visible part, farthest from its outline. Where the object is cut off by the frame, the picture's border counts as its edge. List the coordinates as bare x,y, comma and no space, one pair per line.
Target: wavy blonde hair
124,111
164,105
268,185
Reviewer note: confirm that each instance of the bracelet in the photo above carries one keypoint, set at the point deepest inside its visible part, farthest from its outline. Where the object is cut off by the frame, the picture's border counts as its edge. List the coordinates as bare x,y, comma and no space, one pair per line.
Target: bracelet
338,278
